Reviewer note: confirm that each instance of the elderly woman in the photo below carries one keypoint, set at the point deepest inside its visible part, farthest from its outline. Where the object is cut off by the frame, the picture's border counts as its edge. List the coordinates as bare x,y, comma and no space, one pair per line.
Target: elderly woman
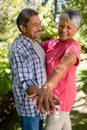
62,58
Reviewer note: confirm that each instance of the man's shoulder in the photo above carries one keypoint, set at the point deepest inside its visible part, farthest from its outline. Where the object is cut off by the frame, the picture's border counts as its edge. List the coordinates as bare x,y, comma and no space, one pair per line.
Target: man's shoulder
16,44
20,43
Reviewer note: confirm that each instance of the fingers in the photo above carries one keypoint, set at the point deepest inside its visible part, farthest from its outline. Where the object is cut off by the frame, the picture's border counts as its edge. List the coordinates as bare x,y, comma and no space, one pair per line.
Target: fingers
52,108
43,110
34,100
51,104
39,103
32,95
45,101
56,101
53,111
46,104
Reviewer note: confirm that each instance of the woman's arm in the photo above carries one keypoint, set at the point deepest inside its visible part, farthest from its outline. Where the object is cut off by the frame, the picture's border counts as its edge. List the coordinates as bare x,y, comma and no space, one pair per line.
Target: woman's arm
67,61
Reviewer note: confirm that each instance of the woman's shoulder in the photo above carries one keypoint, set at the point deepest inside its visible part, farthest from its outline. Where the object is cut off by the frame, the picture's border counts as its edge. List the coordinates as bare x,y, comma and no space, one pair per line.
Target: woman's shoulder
73,43
51,41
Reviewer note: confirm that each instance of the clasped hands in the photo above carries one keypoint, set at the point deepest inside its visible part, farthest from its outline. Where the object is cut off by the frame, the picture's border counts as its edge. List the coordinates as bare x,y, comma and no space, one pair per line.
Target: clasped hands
44,99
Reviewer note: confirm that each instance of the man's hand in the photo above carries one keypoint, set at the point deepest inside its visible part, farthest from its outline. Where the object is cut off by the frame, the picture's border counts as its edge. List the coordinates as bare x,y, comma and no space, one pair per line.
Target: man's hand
32,91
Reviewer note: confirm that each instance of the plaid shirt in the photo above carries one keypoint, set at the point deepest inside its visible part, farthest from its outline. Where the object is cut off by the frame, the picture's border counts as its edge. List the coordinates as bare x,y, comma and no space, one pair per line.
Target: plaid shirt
26,70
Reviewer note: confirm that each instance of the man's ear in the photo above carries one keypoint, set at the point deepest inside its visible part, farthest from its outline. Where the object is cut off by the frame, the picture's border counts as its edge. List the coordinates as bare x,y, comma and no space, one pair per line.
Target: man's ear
22,28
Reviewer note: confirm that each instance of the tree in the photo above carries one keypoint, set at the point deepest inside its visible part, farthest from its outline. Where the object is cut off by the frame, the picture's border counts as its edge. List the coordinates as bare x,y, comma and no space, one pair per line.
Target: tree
8,32
81,5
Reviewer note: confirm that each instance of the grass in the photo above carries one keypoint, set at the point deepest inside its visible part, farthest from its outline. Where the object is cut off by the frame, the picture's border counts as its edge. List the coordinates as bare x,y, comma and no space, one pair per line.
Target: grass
79,120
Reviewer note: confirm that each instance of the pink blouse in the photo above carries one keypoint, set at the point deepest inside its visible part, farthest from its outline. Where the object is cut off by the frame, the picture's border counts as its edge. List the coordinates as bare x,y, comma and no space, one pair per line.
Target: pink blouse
65,89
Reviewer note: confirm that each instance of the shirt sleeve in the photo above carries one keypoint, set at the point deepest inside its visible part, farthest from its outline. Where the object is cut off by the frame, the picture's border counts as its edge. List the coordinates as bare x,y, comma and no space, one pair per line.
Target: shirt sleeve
76,48
21,71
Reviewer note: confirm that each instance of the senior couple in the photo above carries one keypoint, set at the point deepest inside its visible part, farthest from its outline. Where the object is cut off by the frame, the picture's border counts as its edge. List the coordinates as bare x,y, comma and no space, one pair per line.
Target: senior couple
43,74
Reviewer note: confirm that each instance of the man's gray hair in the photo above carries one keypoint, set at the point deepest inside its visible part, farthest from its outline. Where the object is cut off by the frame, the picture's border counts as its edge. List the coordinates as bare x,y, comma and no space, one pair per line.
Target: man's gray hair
72,15
24,15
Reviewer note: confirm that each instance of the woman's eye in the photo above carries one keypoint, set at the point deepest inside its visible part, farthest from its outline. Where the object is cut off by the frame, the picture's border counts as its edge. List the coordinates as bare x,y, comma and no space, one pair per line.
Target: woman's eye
69,27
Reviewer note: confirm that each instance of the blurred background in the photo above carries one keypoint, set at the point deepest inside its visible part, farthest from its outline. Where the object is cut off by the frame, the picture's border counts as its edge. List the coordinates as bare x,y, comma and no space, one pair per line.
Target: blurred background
49,11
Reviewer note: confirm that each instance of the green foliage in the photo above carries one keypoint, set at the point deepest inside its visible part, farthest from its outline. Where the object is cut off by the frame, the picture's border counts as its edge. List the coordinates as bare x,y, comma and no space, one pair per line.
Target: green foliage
5,76
81,5
82,76
48,24
8,32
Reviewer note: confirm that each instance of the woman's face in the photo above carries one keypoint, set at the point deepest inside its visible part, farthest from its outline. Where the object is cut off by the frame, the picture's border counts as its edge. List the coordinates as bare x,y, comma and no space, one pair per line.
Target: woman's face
66,30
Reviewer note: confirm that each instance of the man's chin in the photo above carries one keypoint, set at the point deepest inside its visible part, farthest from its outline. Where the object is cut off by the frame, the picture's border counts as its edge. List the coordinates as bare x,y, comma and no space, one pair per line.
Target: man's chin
38,36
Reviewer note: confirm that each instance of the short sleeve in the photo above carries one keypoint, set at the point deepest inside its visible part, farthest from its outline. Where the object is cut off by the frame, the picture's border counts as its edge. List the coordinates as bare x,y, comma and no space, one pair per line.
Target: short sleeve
76,48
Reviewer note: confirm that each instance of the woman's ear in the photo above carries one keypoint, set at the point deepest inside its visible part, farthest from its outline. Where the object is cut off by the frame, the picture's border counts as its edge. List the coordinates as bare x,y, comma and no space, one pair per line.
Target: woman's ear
22,28
77,29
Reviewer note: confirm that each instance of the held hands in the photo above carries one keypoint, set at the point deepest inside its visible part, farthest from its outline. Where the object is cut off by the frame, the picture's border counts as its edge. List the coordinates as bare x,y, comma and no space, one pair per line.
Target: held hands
44,100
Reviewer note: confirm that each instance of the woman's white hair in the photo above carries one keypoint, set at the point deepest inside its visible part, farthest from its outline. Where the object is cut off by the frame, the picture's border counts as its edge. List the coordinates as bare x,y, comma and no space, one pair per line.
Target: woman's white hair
72,15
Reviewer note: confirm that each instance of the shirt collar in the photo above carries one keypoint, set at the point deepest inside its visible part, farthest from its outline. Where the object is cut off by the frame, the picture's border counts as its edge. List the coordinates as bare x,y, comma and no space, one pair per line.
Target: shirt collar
26,40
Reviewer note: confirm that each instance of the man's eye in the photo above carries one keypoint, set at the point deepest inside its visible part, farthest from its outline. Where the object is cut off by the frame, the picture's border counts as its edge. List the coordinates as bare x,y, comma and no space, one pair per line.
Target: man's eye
34,24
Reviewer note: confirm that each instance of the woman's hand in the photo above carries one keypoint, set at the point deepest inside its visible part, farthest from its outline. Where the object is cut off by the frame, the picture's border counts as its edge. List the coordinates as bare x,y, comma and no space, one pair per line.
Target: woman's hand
45,101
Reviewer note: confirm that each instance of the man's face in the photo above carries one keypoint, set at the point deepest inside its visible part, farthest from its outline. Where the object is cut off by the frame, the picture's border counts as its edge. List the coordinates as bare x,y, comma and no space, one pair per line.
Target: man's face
33,28
66,30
